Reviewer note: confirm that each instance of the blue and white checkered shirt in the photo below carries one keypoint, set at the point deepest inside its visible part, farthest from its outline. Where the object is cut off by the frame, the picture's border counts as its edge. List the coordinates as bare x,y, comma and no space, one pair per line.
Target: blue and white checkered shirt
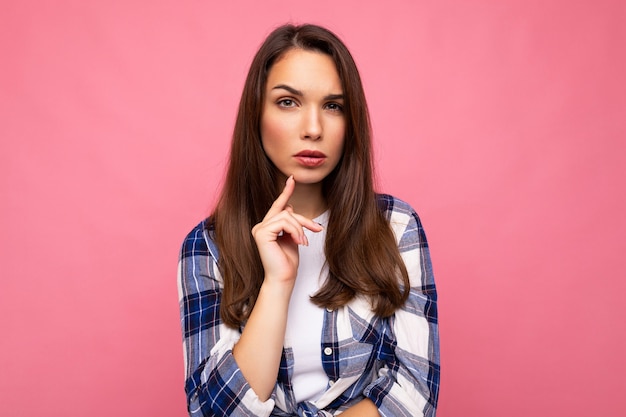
392,361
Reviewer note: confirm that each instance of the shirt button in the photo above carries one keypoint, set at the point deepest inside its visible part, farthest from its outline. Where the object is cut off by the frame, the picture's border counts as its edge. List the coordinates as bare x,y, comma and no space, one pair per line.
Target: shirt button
331,382
330,310
328,351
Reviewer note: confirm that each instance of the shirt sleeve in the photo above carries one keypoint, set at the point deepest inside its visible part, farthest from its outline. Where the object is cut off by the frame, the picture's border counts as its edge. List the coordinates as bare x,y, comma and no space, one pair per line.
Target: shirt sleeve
408,383
214,383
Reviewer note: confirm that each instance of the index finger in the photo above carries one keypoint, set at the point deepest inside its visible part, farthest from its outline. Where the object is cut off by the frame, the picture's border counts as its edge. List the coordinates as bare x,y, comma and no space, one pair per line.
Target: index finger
281,201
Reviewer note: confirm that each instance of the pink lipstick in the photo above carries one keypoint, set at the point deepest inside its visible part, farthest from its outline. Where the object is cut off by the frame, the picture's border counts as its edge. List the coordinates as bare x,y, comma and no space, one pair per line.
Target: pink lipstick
310,158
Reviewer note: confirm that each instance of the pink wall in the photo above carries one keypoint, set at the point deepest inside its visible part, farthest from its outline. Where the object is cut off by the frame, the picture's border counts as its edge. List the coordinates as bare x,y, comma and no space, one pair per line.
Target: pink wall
502,122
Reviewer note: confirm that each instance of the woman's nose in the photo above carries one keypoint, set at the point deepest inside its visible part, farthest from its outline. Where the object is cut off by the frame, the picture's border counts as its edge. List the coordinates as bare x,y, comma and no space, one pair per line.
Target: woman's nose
311,125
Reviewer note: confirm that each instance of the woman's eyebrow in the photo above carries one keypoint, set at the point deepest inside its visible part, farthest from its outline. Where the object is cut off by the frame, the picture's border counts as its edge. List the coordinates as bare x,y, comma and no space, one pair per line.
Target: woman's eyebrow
301,94
290,89
334,97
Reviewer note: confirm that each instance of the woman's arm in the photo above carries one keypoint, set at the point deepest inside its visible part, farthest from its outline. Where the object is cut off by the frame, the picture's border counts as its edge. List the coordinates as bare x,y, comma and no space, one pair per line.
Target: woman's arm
259,349
365,408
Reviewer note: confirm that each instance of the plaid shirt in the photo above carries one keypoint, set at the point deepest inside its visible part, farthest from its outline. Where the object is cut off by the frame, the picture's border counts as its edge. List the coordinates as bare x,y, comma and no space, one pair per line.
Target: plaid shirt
392,361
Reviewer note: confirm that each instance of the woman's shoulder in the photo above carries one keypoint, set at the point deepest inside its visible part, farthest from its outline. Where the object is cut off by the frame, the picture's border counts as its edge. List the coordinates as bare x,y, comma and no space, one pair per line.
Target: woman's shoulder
391,205
403,219
198,242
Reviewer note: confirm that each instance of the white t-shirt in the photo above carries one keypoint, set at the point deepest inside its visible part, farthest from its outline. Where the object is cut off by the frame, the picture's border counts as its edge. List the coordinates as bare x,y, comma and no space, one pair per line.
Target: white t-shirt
305,319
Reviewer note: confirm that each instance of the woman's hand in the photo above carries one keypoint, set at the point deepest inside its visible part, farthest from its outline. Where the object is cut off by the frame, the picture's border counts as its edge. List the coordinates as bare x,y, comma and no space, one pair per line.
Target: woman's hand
278,236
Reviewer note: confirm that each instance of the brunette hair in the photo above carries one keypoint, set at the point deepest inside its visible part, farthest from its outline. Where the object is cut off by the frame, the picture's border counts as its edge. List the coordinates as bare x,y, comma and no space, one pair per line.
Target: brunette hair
361,250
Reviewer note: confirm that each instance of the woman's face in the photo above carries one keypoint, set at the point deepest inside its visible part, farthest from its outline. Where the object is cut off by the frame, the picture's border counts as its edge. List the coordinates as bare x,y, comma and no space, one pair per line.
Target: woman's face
302,122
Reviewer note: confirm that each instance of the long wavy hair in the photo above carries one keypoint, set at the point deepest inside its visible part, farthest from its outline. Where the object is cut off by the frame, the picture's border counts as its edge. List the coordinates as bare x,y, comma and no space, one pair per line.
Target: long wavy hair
361,251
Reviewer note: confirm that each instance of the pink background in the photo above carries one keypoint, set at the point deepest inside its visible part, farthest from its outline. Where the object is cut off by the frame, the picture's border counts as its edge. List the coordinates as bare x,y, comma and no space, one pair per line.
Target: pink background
501,122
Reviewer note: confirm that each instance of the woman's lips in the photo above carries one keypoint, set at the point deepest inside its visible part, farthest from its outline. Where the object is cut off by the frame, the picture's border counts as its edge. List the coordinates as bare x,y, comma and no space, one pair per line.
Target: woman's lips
310,158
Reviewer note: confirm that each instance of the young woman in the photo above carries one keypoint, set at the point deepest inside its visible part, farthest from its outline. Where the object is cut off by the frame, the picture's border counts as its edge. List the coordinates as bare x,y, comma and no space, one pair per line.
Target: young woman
305,293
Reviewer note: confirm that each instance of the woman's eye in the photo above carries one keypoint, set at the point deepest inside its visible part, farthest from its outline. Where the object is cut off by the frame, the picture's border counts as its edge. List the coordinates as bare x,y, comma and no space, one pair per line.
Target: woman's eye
334,107
286,102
